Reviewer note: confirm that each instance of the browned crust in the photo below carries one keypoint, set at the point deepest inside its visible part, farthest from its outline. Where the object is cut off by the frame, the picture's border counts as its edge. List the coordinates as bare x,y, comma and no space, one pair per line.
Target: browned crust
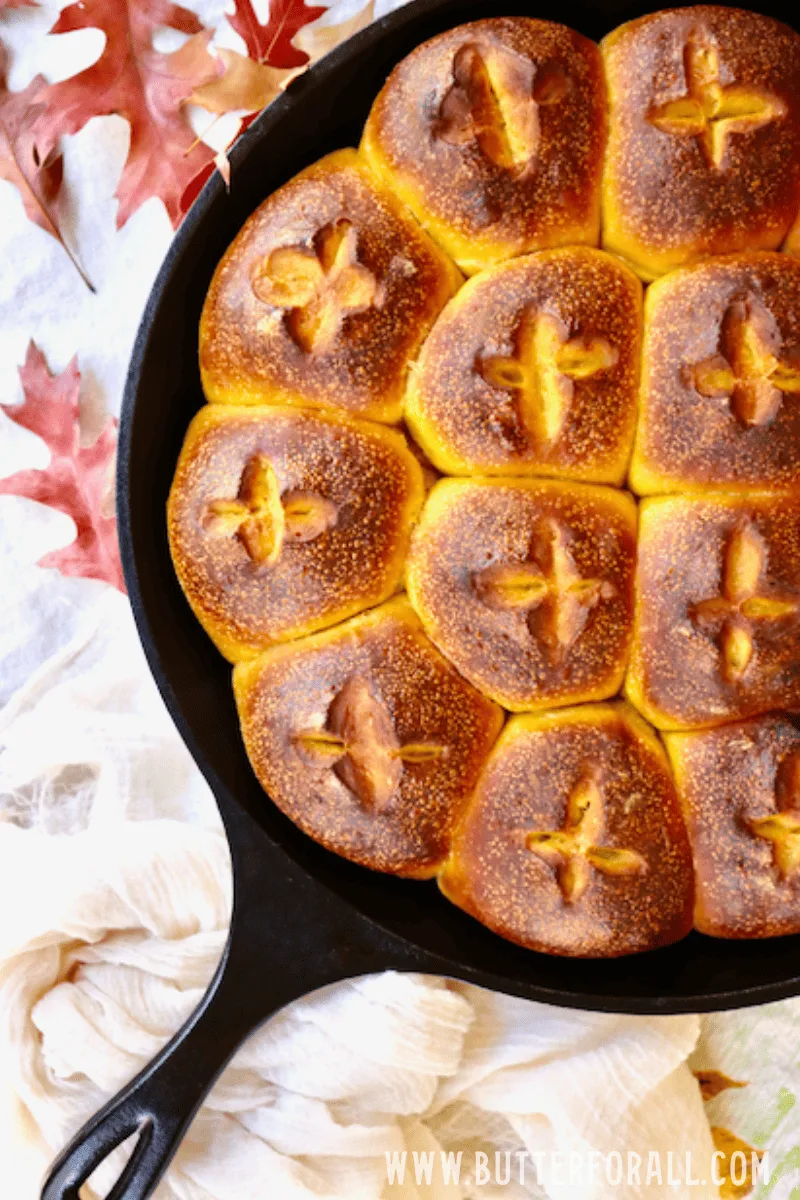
428,795
677,676
728,779
363,474
688,437
470,529
248,353
478,207
665,202
291,689
469,424
525,787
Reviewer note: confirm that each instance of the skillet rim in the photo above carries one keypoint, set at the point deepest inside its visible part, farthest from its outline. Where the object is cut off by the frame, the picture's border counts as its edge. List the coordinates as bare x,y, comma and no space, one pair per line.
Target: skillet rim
228,803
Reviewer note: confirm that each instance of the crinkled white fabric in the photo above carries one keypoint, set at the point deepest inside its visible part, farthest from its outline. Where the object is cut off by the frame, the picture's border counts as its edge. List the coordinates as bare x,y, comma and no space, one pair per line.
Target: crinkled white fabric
758,1047
114,874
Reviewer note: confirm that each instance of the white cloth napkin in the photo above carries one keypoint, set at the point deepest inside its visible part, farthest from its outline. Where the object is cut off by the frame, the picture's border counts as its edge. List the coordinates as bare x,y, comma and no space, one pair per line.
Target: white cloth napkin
115,881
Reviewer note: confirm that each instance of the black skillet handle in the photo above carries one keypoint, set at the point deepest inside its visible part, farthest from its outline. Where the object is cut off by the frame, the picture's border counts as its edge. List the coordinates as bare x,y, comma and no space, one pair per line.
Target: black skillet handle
161,1101
289,936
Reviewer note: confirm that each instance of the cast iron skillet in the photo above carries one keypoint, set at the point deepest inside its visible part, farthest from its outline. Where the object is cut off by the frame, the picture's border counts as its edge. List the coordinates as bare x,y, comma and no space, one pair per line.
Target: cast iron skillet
302,917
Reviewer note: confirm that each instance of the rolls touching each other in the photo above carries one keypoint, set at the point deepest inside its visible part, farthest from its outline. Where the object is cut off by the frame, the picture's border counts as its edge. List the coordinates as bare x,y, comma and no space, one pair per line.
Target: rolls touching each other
611,562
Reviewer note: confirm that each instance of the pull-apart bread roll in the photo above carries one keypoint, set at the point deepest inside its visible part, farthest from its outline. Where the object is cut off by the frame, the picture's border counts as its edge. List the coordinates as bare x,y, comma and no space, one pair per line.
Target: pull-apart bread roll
381,618
324,297
493,134
704,136
739,787
574,843
720,396
527,586
282,521
717,633
367,738
533,369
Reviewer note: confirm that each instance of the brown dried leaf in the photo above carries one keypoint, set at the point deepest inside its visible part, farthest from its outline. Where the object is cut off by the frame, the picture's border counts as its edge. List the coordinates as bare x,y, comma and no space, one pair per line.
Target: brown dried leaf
244,85
316,40
714,1082
728,1144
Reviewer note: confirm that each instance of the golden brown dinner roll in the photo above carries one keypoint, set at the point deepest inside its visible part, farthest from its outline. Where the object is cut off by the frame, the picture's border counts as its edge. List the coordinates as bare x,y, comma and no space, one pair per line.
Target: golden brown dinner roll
533,369
493,135
324,297
284,520
739,787
720,398
527,586
704,136
717,631
574,843
367,738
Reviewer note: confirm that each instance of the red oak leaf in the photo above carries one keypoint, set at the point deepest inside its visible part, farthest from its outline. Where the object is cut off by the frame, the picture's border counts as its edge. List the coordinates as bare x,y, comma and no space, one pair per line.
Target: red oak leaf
148,88
249,84
220,164
195,186
245,86
272,43
77,479
37,179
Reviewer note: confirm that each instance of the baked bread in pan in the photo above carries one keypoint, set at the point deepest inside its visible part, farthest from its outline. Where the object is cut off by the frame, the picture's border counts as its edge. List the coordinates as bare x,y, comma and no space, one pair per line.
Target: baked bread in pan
533,369
739,787
720,390
493,135
285,520
527,586
367,738
574,842
381,618
717,609
704,136
324,297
